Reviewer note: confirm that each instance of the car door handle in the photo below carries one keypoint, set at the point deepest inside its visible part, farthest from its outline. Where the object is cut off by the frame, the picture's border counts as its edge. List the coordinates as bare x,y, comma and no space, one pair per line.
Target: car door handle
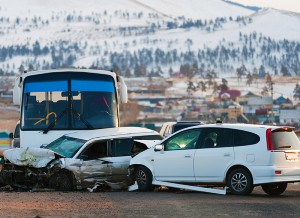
187,155
227,155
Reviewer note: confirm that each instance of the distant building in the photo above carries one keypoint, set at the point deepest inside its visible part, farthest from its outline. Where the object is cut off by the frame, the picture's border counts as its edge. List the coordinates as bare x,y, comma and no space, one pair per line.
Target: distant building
229,94
258,104
290,117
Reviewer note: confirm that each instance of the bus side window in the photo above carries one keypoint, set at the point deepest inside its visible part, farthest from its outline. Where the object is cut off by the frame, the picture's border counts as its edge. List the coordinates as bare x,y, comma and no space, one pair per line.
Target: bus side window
31,106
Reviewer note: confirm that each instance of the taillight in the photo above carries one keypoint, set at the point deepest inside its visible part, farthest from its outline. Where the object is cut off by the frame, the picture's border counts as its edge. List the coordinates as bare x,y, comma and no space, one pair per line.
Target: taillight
270,145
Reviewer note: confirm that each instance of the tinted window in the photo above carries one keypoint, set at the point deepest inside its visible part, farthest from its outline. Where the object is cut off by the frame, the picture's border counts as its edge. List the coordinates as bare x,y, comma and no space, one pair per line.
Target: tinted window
216,138
17,131
183,140
285,140
149,137
122,147
95,151
181,126
242,138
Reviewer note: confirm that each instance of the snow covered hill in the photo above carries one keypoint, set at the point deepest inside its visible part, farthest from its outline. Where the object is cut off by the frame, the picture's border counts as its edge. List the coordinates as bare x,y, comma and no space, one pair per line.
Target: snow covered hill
135,36
196,9
287,5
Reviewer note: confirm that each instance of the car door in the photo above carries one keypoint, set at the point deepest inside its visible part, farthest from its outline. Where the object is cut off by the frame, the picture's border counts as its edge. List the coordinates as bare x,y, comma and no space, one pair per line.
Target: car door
95,163
175,162
121,156
214,155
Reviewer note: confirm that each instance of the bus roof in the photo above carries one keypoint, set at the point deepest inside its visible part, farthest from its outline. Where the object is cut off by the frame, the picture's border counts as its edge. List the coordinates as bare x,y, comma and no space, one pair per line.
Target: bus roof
30,73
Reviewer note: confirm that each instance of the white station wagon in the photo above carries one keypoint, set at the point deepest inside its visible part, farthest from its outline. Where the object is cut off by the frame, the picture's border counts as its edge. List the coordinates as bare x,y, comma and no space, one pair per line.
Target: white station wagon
239,156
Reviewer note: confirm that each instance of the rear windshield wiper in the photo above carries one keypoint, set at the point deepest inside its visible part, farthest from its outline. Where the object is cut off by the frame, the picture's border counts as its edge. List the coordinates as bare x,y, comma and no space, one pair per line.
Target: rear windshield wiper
287,146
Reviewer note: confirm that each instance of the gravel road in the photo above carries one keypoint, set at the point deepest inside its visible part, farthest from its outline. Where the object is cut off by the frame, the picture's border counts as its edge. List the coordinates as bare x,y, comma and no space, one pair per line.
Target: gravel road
160,203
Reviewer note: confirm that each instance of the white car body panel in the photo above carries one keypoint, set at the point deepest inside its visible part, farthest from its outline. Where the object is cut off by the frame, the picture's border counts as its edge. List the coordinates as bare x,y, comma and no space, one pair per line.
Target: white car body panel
214,171
164,162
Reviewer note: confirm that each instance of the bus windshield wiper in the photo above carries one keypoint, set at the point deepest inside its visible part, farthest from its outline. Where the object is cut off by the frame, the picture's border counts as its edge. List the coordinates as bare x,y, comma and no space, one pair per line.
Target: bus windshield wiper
51,125
88,125
74,112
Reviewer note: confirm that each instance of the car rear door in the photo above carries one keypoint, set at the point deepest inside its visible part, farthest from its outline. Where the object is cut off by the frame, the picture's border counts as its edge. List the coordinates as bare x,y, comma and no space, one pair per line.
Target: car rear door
214,155
175,162
121,156
96,164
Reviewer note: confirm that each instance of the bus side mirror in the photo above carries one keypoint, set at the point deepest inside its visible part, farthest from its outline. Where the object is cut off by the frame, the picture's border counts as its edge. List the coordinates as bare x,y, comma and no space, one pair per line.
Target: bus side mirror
123,90
11,135
17,91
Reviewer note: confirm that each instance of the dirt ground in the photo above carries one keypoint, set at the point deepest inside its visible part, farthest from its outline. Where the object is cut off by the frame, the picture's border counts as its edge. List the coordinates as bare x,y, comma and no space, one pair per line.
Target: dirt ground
160,203
8,118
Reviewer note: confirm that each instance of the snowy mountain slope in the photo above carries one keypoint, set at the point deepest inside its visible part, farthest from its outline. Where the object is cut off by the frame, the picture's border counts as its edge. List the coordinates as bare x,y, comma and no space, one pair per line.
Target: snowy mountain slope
46,8
288,5
195,9
101,27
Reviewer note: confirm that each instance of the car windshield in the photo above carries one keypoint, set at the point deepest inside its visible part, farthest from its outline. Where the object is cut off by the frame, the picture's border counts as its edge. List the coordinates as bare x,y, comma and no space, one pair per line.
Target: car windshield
66,146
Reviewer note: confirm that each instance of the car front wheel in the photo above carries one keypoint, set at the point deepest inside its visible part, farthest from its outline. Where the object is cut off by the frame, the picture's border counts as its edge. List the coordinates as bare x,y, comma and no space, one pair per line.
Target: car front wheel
143,177
240,182
274,189
61,181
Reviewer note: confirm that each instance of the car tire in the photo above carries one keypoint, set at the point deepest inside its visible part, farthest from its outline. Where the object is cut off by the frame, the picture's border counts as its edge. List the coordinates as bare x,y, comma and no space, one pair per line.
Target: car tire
62,181
143,177
274,189
240,182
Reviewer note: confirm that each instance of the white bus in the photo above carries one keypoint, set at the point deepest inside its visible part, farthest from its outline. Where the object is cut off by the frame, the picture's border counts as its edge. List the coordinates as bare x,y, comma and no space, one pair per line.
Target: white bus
56,102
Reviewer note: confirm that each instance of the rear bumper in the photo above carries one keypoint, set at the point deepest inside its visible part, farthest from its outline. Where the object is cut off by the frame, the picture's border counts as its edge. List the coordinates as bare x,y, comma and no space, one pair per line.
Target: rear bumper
271,174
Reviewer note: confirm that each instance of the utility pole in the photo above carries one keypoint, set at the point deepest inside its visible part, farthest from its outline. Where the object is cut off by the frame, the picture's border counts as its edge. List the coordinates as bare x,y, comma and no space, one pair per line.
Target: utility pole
272,115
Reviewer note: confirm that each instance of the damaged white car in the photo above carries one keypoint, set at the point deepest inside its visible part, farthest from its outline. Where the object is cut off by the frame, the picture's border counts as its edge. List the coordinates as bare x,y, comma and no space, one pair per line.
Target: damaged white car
76,161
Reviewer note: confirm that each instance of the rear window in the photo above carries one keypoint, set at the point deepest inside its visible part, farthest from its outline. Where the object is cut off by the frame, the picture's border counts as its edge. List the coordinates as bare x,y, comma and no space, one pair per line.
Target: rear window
285,140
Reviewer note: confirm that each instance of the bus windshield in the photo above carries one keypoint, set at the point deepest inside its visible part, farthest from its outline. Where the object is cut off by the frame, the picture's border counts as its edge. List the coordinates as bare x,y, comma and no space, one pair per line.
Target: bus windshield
69,100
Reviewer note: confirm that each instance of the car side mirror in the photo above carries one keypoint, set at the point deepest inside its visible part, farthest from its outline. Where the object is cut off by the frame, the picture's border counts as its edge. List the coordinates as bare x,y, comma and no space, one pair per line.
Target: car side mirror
158,148
83,157
11,135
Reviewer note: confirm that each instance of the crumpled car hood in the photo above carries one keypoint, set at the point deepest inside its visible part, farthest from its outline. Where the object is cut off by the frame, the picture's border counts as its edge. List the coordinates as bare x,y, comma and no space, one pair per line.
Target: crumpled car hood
32,157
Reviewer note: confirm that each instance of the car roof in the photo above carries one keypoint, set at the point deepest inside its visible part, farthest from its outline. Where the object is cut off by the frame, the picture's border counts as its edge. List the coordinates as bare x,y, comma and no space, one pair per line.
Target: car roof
239,125
112,133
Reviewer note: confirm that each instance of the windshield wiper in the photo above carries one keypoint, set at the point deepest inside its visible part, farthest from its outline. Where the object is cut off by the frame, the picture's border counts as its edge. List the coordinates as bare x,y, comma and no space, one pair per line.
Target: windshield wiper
74,112
51,125
84,121
287,146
